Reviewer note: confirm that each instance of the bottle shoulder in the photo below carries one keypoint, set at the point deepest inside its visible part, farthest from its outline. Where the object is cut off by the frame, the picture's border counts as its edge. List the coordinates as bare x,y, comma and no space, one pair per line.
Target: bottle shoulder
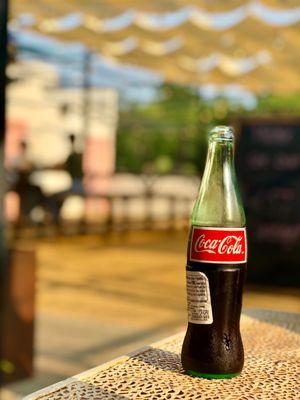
218,211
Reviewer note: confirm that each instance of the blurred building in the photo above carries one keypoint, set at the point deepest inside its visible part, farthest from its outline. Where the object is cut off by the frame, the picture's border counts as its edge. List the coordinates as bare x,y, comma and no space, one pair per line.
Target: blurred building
43,114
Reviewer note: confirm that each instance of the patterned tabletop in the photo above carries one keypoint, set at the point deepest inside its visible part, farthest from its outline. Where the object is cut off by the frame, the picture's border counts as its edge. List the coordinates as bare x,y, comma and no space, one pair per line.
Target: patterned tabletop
272,369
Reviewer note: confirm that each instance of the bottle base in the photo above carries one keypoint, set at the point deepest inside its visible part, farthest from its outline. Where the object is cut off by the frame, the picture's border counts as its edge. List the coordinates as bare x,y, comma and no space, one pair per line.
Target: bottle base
212,376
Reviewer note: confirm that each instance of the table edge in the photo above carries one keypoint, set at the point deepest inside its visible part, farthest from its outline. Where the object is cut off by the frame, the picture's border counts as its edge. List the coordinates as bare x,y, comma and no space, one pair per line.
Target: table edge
89,372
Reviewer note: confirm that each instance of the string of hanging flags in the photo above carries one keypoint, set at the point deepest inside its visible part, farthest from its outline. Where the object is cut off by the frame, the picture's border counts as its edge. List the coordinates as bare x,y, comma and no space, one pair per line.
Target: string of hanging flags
150,47
230,66
165,21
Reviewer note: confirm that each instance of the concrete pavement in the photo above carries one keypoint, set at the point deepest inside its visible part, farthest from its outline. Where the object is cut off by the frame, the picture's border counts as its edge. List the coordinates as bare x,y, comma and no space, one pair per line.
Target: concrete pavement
101,297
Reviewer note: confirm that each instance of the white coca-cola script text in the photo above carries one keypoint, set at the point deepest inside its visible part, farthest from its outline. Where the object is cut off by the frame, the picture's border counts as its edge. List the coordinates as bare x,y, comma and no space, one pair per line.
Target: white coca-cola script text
230,244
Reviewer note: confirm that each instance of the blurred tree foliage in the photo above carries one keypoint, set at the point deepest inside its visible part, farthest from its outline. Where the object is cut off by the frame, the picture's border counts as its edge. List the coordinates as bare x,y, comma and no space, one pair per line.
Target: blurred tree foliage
288,105
170,134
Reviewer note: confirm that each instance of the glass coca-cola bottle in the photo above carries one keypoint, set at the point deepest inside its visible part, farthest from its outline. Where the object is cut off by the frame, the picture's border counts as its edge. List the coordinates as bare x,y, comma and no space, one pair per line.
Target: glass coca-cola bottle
216,267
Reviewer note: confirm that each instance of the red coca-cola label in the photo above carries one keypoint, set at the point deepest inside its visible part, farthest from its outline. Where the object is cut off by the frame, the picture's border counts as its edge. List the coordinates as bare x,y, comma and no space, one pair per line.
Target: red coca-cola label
218,245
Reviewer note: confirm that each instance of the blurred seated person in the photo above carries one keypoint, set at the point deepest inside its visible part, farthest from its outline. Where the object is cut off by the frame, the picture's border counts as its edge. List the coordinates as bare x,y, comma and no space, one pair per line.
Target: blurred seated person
73,166
30,195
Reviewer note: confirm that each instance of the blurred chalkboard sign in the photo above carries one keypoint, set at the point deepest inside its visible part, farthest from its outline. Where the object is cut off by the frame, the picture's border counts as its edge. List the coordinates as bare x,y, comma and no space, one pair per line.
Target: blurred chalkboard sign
268,166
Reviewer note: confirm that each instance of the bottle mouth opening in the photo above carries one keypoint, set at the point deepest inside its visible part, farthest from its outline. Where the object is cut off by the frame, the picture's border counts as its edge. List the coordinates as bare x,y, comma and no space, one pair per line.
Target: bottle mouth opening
222,133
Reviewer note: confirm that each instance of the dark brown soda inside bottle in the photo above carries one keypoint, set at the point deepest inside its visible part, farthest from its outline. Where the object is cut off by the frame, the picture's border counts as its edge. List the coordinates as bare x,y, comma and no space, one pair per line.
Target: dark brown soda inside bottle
217,348
216,268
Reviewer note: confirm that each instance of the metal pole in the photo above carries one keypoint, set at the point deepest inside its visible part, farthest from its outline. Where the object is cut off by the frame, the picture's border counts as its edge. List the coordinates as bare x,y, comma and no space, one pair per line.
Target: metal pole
86,91
3,247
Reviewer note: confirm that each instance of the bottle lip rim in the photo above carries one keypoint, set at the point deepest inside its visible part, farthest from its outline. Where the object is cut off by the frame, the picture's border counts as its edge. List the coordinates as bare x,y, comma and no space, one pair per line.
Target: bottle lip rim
222,133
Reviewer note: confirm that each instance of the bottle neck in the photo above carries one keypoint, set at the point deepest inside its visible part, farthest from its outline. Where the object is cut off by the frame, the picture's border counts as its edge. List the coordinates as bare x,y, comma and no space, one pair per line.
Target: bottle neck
219,202
220,160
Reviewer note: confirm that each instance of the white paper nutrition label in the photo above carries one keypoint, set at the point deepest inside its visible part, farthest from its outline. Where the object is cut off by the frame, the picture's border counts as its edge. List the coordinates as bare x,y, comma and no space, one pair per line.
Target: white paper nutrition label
198,298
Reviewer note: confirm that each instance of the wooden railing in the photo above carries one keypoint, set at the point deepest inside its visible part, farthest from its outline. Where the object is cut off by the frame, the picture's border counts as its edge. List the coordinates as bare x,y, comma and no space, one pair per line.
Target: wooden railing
119,215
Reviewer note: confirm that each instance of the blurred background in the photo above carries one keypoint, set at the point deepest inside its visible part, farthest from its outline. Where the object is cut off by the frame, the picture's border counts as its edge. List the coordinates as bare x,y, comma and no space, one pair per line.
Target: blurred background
108,105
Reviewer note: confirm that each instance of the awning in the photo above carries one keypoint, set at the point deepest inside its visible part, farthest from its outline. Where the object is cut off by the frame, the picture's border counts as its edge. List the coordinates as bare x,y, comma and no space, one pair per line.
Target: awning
254,44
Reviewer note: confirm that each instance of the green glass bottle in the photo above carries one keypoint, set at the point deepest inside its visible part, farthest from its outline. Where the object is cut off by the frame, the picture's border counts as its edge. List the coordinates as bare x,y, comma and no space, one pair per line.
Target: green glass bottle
216,267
